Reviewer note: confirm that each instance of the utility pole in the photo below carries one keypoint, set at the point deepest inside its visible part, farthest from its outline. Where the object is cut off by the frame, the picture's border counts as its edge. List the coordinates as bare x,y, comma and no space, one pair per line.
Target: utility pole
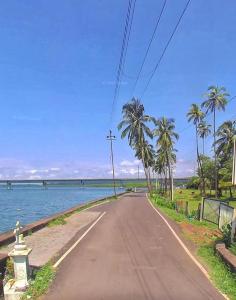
138,172
112,138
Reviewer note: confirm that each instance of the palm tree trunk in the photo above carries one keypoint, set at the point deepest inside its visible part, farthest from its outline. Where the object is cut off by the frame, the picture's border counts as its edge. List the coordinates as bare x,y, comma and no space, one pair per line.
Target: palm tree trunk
203,176
216,177
203,146
199,161
170,177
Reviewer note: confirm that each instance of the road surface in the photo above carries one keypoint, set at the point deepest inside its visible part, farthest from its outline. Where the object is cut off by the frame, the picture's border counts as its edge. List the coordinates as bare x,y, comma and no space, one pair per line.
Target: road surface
130,254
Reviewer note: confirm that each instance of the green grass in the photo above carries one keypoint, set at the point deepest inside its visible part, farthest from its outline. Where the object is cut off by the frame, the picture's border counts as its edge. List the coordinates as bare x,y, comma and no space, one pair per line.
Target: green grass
232,248
163,204
220,274
58,221
40,285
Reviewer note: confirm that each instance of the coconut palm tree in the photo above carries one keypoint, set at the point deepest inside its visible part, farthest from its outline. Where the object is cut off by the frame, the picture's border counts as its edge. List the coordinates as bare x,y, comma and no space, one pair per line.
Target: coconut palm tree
224,141
135,128
217,99
160,167
145,153
204,130
166,138
195,115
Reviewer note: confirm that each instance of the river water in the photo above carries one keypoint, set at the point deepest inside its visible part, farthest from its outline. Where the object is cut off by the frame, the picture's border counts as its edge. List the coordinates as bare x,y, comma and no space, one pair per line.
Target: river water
28,204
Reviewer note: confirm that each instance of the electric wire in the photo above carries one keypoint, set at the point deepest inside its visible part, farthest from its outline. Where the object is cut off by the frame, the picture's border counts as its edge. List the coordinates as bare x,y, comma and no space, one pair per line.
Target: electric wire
149,45
124,47
166,47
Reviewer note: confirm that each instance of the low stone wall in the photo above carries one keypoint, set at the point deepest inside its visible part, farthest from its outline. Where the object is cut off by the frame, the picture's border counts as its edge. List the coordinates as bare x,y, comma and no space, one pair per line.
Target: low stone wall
228,257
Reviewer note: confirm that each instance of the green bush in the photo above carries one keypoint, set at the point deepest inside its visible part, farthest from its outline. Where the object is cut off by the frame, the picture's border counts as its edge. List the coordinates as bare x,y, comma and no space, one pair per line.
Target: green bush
226,229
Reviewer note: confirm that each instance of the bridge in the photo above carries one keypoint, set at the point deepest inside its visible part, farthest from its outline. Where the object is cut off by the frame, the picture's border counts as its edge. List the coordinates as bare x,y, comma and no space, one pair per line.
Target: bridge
43,182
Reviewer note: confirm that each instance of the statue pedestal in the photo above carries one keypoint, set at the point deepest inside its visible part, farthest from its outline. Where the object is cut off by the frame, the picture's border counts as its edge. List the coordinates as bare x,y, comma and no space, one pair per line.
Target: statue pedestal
15,288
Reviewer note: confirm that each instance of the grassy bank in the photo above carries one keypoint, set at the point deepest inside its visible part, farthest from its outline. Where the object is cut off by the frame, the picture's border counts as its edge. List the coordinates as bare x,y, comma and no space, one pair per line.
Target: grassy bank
203,235
39,286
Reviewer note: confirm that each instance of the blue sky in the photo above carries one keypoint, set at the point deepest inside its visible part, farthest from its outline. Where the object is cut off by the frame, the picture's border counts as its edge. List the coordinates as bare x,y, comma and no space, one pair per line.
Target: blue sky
58,66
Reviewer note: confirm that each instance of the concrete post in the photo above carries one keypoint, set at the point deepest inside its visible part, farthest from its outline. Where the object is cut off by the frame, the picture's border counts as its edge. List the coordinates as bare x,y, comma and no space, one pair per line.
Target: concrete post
201,210
233,230
15,288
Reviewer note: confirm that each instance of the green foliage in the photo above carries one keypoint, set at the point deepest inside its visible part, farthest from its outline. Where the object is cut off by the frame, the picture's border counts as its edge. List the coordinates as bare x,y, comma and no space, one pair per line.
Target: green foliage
226,229
193,183
58,221
40,285
232,248
219,272
9,271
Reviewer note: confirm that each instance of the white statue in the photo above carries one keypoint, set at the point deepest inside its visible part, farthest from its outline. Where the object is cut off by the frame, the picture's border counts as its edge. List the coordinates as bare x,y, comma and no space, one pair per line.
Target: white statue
17,232
20,243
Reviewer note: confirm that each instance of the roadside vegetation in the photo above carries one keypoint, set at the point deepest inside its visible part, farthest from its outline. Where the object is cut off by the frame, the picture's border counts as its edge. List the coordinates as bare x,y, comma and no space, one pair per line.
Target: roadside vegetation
203,235
40,284
154,143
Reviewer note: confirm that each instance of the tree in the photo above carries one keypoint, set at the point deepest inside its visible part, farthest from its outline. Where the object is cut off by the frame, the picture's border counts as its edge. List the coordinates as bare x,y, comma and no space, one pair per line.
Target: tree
204,130
166,138
216,100
134,121
145,153
224,142
195,115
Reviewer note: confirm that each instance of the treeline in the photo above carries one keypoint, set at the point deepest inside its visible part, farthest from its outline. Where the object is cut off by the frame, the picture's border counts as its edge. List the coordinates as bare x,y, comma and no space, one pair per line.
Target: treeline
212,172
155,147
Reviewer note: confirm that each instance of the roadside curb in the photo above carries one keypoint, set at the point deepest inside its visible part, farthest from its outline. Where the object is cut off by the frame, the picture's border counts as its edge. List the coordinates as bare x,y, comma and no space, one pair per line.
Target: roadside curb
226,256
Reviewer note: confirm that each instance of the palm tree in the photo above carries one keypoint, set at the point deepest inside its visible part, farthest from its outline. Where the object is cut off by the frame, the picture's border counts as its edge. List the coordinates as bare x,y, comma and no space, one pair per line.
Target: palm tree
145,153
160,167
216,100
134,121
224,142
166,140
204,130
196,116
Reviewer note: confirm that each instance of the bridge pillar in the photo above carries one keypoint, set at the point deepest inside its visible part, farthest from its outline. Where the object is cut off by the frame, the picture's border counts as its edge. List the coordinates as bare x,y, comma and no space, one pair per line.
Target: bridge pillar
45,184
9,185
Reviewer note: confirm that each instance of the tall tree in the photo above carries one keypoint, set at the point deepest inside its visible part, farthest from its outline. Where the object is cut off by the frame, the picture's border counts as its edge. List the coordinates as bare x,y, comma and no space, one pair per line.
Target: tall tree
217,99
135,128
166,138
195,115
204,130
224,141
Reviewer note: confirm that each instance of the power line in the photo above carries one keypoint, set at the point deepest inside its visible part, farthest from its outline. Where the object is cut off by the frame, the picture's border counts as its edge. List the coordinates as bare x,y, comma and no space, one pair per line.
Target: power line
124,47
167,45
149,45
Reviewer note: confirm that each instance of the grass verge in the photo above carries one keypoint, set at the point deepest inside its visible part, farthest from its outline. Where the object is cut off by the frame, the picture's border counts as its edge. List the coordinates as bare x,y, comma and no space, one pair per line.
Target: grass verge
40,285
204,236
219,273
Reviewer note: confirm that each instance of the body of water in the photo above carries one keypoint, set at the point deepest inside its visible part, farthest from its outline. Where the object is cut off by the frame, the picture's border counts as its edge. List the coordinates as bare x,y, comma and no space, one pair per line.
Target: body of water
28,204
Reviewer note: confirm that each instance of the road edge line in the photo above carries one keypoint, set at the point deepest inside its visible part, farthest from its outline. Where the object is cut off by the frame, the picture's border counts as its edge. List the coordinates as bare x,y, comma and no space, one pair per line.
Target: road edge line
202,269
78,241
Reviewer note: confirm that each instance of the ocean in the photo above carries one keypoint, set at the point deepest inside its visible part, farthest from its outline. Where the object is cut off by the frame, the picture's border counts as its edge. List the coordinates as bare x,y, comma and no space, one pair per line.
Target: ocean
31,203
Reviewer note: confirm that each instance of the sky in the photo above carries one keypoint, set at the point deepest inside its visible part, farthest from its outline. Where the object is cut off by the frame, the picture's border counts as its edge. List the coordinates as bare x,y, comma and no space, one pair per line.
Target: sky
58,64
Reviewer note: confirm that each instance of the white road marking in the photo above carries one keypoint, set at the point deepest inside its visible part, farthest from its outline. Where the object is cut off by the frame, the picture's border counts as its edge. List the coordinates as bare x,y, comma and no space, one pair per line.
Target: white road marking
78,241
183,246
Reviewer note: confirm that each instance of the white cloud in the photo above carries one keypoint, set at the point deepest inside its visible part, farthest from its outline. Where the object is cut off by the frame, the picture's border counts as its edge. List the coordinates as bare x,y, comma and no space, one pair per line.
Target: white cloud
55,169
130,163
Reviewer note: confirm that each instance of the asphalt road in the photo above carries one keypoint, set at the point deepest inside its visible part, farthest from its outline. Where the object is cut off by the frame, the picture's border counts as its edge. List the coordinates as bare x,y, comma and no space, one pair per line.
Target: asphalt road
130,254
